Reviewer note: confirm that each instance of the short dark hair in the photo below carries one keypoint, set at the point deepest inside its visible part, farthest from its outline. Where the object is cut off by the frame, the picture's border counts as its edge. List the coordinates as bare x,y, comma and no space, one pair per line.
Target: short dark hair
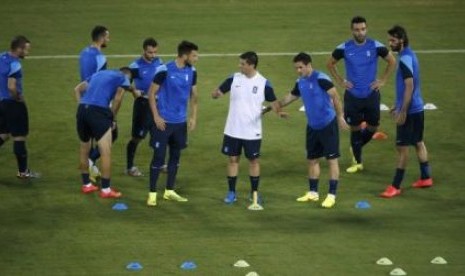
185,47
250,57
303,57
149,42
19,41
399,32
357,19
97,32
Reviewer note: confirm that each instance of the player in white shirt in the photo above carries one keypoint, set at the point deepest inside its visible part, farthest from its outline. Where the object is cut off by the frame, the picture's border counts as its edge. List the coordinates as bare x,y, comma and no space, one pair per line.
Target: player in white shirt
248,90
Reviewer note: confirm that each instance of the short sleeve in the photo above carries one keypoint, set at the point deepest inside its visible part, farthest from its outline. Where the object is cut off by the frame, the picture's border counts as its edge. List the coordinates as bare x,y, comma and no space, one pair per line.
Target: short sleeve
160,75
226,85
269,92
338,53
381,50
406,67
15,70
295,91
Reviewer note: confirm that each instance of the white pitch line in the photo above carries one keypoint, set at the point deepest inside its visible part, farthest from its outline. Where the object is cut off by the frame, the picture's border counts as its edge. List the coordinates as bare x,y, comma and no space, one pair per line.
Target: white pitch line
439,51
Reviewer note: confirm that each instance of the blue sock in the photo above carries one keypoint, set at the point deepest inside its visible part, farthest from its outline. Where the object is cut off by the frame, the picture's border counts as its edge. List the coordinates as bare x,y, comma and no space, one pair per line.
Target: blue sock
173,164
425,170
313,184
19,148
356,143
85,178
232,183
94,154
398,177
254,181
366,136
130,153
333,186
105,183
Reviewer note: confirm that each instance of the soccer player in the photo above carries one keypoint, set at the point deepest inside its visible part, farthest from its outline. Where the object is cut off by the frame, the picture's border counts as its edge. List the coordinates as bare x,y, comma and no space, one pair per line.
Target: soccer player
14,118
95,120
362,95
92,60
408,113
324,113
145,67
243,130
174,87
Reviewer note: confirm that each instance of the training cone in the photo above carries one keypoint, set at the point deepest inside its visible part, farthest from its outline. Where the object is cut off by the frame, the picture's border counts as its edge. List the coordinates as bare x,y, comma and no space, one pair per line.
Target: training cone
241,263
383,107
120,207
189,265
384,261
430,106
380,136
362,205
398,272
252,273
135,266
438,260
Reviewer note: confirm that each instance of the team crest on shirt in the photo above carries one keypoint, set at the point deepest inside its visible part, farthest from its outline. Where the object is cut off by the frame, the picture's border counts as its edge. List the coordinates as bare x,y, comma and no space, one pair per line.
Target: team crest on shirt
368,54
255,89
311,86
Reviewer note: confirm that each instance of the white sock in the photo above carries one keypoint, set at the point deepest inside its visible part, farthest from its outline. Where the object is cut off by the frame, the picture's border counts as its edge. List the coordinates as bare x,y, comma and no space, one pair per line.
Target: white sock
106,190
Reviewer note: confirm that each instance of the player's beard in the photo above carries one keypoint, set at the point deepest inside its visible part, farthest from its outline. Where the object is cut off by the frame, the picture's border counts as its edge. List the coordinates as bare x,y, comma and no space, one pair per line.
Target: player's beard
396,48
104,45
360,38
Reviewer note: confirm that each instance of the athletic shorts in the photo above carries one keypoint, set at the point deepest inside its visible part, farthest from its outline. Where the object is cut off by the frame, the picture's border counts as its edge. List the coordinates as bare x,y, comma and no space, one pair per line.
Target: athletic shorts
14,118
174,135
142,118
357,110
323,142
233,147
93,122
411,132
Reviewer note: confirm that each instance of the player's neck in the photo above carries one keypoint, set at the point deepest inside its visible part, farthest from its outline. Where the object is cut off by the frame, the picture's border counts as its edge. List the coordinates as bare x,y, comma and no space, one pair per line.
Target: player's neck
251,74
180,63
13,54
96,45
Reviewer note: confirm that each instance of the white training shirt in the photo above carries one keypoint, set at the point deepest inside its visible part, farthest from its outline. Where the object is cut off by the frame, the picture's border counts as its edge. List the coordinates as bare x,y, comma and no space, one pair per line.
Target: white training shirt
244,119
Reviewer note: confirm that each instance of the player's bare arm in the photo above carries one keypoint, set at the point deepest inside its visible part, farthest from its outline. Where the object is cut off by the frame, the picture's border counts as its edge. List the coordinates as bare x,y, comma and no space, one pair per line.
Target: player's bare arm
193,108
332,67
390,67
159,121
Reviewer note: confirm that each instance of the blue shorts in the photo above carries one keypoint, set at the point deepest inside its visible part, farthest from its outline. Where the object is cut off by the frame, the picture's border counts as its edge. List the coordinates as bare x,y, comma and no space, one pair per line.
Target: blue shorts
357,110
14,118
233,147
142,118
323,142
174,135
411,132
93,122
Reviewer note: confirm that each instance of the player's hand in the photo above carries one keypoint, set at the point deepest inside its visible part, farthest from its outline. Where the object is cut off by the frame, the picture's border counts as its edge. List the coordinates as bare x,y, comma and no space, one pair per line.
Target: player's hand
342,123
137,93
160,123
216,94
376,85
400,117
346,84
192,123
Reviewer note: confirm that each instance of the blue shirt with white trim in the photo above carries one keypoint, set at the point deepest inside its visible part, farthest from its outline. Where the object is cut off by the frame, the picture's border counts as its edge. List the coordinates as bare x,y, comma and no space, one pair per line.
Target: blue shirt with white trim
145,73
408,67
361,63
175,91
10,67
91,60
318,104
102,87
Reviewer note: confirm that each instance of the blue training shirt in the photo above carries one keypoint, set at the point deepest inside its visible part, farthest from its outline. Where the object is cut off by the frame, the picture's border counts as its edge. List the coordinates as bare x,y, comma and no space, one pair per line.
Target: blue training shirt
10,67
319,107
102,87
175,90
145,73
408,67
91,60
361,63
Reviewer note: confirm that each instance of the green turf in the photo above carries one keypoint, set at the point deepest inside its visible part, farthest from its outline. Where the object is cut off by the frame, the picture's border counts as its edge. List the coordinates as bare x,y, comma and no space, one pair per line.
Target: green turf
48,228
